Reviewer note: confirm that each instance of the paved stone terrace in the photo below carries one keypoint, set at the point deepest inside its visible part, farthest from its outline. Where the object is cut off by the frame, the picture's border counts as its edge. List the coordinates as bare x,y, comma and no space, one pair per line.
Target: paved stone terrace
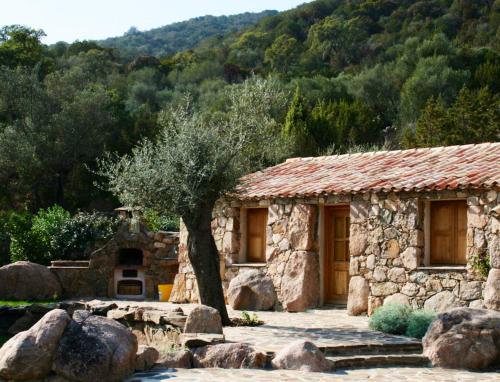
323,327
400,374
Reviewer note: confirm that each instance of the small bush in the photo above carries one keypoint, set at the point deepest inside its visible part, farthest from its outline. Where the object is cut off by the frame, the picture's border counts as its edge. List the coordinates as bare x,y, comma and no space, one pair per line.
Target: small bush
53,234
156,222
390,318
418,323
78,232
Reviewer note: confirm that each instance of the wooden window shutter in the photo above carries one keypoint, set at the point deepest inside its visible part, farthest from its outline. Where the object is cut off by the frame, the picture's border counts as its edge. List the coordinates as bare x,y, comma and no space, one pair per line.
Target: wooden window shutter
448,230
256,235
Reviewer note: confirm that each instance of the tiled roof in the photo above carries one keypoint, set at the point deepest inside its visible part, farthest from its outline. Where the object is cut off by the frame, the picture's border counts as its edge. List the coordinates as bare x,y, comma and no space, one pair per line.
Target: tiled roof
439,168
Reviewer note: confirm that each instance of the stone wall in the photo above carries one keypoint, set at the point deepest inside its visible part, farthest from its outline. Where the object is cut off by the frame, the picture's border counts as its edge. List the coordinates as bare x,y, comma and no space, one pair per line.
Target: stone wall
291,253
97,278
388,249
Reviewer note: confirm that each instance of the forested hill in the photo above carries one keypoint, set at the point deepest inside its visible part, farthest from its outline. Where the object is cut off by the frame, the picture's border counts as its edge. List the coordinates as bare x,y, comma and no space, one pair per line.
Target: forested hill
180,36
357,74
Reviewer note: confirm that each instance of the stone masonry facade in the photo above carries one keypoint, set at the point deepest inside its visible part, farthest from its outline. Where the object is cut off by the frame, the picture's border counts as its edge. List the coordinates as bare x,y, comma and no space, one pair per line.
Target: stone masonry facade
387,250
95,278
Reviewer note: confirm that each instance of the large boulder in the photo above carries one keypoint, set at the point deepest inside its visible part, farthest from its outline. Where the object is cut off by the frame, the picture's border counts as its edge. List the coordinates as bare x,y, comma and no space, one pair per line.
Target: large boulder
492,290
229,356
95,348
357,302
203,319
181,359
442,301
29,354
251,291
464,338
146,358
299,285
24,280
301,355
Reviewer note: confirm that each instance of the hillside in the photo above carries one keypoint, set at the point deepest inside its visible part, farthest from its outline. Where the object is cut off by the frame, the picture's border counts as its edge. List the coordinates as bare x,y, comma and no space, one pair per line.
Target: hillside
181,35
354,75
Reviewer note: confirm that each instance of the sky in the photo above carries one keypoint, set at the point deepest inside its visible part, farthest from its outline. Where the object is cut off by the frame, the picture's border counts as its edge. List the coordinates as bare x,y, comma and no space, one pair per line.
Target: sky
70,20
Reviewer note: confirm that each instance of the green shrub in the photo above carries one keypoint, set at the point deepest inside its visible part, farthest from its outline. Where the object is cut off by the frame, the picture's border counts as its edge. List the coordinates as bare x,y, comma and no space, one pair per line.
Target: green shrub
481,263
156,222
78,232
390,318
25,244
418,323
47,224
53,234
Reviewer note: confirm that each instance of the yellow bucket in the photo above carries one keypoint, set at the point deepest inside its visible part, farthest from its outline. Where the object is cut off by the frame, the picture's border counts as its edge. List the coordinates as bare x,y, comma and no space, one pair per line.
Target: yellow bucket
164,291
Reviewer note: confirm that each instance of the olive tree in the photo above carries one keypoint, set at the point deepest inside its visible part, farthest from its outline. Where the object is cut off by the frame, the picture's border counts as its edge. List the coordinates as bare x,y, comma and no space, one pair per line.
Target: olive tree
195,160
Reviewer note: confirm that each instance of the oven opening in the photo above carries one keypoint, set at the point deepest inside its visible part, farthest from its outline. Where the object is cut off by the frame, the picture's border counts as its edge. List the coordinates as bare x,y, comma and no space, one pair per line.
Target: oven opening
130,256
129,288
129,273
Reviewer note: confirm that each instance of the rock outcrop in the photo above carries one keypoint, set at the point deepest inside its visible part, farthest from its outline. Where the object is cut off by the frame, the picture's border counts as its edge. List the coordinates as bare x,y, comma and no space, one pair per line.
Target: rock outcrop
251,291
95,348
464,338
299,285
301,355
29,354
357,302
203,319
229,356
146,358
492,290
24,280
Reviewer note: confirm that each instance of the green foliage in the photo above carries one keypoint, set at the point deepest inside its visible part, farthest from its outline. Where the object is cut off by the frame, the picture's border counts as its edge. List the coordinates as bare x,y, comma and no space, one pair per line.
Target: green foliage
156,222
180,36
369,72
418,323
47,224
473,118
198,157
24,243
390,318
250,319
481,263
53,234
25,303
401,319
82,230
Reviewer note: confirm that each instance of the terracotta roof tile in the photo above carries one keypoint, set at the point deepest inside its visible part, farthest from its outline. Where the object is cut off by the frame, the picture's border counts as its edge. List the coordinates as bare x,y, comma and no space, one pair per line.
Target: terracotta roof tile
439,168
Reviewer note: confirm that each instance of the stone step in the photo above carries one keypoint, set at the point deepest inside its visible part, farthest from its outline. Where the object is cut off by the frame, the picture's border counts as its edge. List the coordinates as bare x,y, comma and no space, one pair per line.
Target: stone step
366,361
372,349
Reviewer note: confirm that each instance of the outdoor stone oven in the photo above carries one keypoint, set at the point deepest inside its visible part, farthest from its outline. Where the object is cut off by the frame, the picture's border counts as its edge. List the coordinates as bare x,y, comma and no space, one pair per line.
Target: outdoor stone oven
130,265
365,229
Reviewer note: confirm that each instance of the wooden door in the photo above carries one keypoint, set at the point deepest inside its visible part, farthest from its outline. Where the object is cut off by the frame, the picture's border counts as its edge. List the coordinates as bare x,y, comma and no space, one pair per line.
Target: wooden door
336,259
256,235
448,228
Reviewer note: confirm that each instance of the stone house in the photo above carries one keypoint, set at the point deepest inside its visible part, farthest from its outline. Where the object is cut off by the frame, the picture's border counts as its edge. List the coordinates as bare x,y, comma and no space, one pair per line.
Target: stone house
364,229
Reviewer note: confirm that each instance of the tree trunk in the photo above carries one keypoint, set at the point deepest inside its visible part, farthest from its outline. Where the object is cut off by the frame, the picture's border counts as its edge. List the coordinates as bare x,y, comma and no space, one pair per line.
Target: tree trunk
204,258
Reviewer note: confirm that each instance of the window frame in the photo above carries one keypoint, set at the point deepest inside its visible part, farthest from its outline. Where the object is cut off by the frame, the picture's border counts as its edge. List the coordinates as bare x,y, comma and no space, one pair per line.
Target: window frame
243,257
428,232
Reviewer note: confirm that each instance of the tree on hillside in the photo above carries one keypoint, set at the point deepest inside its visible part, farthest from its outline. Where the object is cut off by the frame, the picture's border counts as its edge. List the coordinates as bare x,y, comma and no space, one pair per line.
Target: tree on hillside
194,161
473,118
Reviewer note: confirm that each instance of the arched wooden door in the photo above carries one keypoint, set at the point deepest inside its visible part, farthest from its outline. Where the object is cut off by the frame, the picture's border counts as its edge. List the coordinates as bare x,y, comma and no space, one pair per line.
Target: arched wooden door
336,255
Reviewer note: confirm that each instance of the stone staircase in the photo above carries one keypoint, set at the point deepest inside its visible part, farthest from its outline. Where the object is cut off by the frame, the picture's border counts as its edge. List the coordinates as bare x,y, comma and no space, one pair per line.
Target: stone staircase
375,355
